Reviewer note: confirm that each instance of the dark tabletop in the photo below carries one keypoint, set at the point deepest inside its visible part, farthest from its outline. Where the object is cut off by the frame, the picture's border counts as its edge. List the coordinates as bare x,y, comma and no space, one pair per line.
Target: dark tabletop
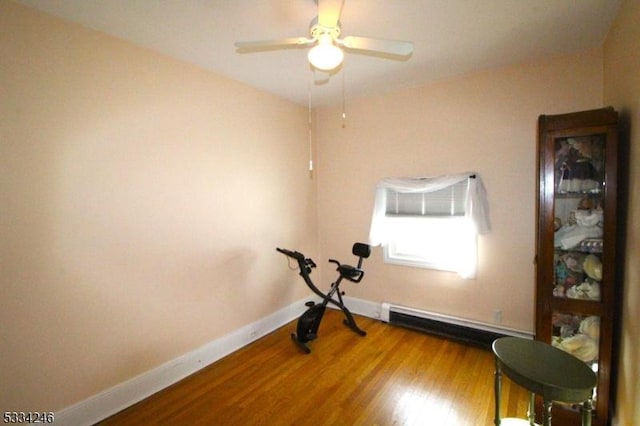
544,370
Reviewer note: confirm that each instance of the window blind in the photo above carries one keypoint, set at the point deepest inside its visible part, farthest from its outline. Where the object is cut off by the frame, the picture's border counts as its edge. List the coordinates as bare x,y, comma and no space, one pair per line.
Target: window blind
449,201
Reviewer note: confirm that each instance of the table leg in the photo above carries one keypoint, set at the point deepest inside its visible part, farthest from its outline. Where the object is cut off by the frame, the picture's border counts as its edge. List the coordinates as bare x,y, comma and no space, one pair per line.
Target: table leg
547,412
587,408
531,412
497,391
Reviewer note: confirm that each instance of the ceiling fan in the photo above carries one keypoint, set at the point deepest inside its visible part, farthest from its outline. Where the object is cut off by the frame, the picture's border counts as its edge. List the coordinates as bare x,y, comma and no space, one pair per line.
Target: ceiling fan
324,35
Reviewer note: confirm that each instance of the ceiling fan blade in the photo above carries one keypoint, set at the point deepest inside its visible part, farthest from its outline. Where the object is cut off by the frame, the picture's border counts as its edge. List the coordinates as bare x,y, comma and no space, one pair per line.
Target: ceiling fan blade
390,47
329,12
252,46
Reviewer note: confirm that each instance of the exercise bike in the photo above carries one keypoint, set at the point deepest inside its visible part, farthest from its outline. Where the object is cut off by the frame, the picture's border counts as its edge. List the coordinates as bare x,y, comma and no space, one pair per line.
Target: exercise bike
309,321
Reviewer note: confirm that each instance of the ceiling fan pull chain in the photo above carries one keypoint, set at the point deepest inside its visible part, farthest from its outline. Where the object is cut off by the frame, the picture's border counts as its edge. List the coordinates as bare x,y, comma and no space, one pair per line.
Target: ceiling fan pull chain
309,128
344,113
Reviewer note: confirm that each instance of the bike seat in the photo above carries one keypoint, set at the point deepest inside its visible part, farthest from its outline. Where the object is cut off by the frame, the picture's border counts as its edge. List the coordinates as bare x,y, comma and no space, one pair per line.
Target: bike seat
349,271
354,273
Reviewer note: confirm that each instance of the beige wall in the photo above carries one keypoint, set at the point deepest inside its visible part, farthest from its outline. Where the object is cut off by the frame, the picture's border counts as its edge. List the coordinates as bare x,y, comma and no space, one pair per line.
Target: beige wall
484,122
142,201
622,90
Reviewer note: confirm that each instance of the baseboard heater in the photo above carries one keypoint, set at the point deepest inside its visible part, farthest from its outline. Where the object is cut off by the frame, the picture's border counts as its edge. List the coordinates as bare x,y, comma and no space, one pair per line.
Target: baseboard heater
461,329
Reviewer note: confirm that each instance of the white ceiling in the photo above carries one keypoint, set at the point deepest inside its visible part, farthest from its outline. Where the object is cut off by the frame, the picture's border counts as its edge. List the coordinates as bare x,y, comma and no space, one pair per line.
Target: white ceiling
451,37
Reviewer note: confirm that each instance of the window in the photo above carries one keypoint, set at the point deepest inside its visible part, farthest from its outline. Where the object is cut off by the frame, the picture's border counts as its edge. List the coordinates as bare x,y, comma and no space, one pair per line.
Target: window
431,222
429,228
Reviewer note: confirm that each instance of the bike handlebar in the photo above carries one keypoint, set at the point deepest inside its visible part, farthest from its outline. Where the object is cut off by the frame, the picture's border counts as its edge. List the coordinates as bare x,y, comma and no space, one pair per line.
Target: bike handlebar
293,254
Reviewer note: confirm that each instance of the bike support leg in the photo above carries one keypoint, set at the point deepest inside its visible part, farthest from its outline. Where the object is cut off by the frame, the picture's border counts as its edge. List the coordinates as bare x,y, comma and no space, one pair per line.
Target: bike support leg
349,321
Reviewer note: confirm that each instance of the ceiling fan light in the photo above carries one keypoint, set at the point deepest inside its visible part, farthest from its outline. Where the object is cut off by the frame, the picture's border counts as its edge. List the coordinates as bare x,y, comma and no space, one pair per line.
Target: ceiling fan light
325,55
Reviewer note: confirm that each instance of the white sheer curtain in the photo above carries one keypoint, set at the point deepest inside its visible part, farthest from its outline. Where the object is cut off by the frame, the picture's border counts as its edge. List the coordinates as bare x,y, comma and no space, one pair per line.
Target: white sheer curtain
476,210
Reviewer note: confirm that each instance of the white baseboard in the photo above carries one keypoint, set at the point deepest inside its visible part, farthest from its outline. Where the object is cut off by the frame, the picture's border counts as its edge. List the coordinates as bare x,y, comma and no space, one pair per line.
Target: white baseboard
362,307
125,394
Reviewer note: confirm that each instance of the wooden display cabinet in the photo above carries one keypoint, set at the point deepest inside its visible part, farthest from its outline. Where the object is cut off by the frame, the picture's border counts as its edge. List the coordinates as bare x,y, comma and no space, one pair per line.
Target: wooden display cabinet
576,245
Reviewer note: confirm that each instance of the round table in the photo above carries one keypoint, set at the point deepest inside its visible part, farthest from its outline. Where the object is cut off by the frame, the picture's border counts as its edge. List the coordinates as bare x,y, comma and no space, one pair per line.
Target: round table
546,371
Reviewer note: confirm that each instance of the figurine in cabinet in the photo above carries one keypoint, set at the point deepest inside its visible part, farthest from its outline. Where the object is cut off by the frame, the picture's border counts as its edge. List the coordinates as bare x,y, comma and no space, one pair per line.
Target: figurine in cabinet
578,170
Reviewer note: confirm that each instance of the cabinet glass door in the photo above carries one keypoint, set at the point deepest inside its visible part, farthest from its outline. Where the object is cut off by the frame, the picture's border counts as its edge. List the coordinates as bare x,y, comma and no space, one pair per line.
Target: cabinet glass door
578,217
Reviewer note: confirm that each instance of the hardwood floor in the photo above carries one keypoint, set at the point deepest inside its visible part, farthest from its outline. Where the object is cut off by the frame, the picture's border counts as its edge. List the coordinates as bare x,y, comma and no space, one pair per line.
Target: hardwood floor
393,376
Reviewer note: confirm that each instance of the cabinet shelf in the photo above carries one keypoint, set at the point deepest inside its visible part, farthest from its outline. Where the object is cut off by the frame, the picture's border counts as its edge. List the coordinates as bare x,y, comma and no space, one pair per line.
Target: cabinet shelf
590,246
580,194
565,304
